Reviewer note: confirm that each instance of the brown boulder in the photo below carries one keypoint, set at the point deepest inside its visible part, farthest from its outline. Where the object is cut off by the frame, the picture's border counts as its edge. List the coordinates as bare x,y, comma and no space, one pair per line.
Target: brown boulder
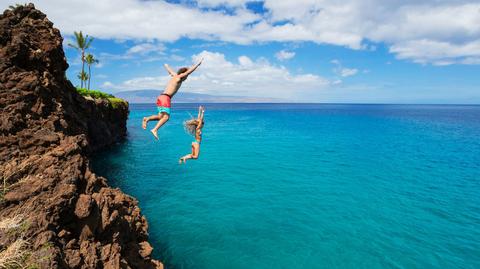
145,249
83,206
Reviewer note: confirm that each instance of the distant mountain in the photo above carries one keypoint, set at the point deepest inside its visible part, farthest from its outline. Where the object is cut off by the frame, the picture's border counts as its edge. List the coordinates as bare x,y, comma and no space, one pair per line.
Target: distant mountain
149,96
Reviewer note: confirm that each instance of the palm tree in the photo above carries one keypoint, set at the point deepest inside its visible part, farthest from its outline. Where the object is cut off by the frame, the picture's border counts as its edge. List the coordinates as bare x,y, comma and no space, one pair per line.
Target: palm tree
82,43
90,60
13,7
82,76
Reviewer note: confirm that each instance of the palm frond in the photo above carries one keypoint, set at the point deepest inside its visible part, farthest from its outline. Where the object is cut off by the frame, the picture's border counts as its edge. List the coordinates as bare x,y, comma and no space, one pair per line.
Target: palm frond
13,7
90,59
89,41
83,76
73,46
80,39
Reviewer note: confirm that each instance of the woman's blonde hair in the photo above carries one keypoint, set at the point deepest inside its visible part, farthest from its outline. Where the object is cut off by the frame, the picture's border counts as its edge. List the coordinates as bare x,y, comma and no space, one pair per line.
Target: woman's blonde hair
190,126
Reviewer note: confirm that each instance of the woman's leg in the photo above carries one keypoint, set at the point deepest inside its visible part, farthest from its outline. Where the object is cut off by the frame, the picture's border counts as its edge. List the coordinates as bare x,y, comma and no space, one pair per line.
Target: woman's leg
185,158
163,118
195,150
193,155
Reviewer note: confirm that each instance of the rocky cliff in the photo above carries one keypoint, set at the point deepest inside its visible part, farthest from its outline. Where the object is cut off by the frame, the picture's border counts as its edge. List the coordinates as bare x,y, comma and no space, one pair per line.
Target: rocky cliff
54,211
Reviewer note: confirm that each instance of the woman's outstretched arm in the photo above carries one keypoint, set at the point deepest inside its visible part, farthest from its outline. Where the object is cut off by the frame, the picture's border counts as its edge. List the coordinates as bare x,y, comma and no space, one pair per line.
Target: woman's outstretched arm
201,112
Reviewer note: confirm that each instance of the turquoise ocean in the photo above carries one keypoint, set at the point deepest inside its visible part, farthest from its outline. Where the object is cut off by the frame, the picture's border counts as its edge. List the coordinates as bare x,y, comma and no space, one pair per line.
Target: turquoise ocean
307,186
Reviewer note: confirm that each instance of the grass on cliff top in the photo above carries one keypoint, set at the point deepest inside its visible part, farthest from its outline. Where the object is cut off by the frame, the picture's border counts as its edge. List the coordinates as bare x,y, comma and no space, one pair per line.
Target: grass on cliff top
94,93
115,102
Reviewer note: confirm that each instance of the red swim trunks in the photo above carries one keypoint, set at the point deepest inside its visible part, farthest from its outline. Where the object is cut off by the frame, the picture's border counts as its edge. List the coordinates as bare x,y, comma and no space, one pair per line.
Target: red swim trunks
163,100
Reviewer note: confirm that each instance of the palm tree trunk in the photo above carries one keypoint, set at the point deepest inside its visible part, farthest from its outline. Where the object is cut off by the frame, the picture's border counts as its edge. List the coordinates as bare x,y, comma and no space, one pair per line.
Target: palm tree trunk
89,76
83,65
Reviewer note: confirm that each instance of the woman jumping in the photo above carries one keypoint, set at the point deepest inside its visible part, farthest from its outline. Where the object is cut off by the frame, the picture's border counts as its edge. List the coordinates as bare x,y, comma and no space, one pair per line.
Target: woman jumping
194,127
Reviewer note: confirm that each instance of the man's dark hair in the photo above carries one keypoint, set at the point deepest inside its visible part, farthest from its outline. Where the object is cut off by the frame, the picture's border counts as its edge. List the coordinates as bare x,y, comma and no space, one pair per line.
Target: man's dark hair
182,70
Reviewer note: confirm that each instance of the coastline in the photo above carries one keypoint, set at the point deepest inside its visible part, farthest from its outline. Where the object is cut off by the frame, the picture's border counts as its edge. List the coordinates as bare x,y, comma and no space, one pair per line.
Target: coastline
55,212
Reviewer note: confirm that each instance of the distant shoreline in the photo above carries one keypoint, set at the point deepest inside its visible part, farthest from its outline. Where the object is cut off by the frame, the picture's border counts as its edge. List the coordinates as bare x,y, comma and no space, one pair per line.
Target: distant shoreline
300,103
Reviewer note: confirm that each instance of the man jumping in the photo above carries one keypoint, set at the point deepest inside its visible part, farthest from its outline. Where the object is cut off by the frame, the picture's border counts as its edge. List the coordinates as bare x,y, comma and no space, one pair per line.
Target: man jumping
163,100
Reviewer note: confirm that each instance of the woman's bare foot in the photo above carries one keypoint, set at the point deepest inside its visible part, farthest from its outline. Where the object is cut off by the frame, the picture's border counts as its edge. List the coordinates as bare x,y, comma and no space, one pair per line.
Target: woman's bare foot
180,160
144,123
154,132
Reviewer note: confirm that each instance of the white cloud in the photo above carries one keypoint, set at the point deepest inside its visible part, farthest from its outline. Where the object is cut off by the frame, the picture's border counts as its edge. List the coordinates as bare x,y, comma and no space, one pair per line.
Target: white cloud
108,84
176,58
244,61
346,72
146,48
335,61
66,41
245,77
336,82
343,71
215,3
429,31
284,55
133,19
439,53
143,52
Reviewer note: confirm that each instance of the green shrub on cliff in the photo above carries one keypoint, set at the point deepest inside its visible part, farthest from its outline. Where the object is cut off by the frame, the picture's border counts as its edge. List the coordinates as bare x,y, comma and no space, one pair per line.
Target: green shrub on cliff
114,101
94,93
117,102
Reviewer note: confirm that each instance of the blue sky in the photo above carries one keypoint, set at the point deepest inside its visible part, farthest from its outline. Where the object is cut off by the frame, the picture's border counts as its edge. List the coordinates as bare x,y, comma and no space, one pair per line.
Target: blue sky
307,51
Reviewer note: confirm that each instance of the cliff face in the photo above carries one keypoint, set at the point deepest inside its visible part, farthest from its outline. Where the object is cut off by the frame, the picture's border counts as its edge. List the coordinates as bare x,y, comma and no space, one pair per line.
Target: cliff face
54,211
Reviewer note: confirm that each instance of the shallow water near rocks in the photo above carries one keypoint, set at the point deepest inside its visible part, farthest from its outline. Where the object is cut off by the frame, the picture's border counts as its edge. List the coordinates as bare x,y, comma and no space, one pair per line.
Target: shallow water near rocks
308,186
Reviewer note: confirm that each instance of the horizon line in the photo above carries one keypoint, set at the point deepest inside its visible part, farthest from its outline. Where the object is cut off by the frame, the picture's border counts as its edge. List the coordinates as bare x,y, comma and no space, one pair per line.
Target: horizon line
319,103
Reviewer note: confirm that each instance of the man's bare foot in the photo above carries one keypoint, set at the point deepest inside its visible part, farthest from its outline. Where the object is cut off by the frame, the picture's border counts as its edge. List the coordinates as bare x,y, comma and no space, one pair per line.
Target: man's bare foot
180,160
154,132
144,123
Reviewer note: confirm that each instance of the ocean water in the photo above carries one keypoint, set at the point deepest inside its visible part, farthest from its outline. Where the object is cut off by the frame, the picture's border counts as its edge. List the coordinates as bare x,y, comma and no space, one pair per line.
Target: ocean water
308,186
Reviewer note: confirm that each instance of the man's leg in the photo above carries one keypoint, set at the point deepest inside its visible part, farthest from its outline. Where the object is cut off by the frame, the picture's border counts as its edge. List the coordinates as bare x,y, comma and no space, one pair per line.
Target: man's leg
147,119
163,118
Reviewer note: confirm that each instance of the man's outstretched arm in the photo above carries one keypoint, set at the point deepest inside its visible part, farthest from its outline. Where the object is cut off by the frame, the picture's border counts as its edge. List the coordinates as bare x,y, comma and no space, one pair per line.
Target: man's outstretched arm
169,70
191,69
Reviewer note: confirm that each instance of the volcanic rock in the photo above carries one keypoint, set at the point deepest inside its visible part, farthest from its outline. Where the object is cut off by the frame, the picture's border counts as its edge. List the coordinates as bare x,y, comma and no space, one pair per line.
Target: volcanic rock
70,217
